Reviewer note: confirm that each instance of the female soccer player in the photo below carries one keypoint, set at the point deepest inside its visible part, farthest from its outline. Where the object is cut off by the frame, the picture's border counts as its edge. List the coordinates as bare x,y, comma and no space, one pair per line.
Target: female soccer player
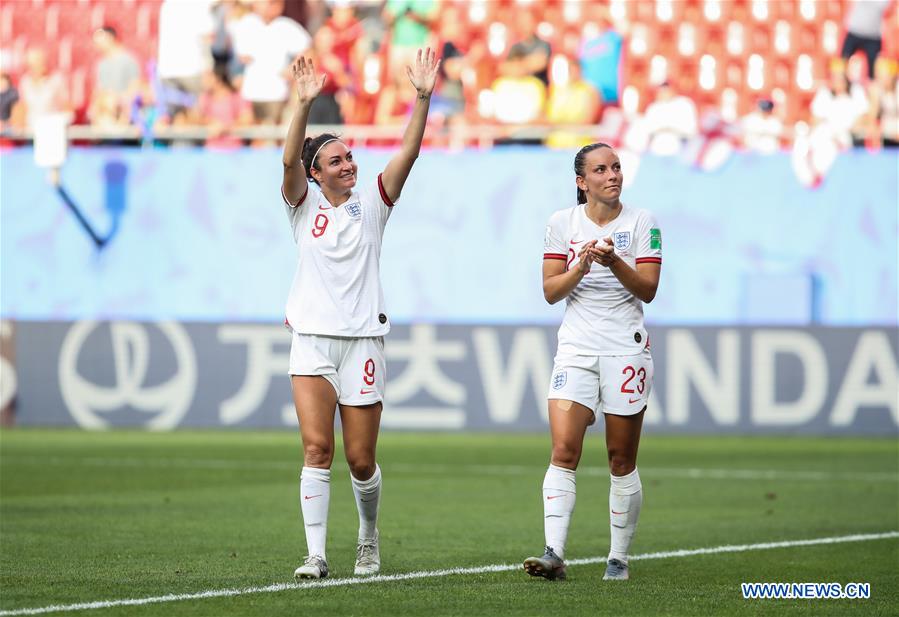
604,258
336,308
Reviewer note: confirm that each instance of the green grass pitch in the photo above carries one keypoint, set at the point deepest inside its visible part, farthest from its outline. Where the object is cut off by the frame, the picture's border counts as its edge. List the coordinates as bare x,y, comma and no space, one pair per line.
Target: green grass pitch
90,517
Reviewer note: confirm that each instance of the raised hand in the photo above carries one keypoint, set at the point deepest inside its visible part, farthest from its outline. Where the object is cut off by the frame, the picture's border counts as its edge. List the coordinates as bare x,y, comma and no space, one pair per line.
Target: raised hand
423,72
307,84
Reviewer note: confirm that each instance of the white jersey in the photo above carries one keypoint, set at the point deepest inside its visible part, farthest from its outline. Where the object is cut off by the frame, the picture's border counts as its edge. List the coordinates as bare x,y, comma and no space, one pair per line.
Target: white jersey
602,317
336,289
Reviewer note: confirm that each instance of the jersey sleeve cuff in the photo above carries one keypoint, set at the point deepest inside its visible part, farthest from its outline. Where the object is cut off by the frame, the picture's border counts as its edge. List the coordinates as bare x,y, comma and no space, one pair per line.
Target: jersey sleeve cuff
561,256
383,193
649,260
300,201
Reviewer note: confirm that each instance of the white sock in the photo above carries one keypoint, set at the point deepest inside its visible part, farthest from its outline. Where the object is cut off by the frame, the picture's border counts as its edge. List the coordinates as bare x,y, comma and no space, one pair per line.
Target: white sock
559,490
368,496
315,494
625,499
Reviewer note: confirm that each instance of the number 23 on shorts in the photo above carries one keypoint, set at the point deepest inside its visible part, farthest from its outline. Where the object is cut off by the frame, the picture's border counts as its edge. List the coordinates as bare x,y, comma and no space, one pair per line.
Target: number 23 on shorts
633,378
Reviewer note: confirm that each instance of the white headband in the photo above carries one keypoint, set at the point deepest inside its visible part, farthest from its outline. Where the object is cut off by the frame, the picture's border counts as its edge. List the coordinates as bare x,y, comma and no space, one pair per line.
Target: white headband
326,142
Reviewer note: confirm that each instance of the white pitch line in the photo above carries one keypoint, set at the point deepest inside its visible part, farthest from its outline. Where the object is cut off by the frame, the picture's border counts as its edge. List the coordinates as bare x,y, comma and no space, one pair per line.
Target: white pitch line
685,473
344,582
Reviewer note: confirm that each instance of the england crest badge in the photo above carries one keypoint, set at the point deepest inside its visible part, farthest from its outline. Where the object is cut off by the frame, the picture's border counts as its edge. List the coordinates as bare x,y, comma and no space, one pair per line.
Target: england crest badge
560,379
622,240
354,210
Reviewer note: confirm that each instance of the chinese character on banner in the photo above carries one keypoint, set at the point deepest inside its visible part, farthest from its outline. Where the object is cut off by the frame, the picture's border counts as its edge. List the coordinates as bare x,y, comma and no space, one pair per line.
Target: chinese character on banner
423,352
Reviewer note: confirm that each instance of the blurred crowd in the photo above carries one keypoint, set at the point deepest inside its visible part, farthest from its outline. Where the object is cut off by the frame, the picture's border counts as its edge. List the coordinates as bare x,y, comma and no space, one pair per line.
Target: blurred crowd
222,64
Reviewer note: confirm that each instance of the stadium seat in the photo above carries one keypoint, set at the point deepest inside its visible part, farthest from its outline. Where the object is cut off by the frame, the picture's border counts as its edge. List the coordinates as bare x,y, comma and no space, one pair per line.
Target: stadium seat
760,41
148,18
7,21
783,38
24,24
76,19
735,38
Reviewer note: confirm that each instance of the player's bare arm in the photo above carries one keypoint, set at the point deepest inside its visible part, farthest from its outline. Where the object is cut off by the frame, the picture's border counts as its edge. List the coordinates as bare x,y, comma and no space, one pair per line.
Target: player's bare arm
308,86
559,282
642,281
423,75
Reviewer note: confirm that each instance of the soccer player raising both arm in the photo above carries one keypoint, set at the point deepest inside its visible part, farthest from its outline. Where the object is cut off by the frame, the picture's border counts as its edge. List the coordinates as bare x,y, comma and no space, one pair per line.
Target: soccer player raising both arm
335,309
604,259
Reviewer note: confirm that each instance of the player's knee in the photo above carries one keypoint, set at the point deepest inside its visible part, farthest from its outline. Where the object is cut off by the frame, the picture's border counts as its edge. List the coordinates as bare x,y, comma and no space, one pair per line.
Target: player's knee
361,466
318,455
620,464
566,455
361,461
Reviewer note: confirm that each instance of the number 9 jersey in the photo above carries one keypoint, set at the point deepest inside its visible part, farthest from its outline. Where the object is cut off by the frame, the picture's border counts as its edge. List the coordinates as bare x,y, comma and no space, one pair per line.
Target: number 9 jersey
336,289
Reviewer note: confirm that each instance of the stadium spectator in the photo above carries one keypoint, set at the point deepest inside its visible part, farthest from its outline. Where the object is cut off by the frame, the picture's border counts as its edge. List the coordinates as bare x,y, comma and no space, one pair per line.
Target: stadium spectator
518,95
8,98
185,36
864,23
239,21
838,113
348,33
395,101
670,121
222,45
448,102
221,108
269,42
885,103
326,108
603,363
529,55
600,54
41,92
116,81
337,328
762,130
571,101
838,108
409,23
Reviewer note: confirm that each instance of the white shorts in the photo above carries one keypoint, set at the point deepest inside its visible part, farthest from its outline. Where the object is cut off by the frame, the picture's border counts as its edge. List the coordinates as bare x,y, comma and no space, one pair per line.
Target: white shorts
621,383
354,366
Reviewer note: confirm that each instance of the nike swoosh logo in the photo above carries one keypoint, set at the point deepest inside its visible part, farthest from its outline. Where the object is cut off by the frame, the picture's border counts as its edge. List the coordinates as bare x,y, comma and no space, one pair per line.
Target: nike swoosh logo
310,496
324,207
363,391
576,241
633,400
613,512
366,500
548,497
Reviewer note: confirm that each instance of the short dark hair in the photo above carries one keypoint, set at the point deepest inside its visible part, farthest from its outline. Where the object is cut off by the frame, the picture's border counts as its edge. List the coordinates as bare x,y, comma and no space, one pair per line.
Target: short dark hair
310,152
580,161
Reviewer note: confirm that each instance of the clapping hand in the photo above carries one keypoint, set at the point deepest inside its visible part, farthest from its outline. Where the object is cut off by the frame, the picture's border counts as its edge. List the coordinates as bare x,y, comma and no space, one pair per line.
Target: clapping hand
585,256
604,254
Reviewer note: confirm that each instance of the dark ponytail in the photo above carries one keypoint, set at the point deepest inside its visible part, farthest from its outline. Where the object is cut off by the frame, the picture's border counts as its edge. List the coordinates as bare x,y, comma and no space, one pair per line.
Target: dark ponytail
310,149
579,162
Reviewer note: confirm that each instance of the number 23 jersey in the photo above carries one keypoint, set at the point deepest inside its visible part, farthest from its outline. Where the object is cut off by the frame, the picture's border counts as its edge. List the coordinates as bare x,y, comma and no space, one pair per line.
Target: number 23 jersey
336,288
602,317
